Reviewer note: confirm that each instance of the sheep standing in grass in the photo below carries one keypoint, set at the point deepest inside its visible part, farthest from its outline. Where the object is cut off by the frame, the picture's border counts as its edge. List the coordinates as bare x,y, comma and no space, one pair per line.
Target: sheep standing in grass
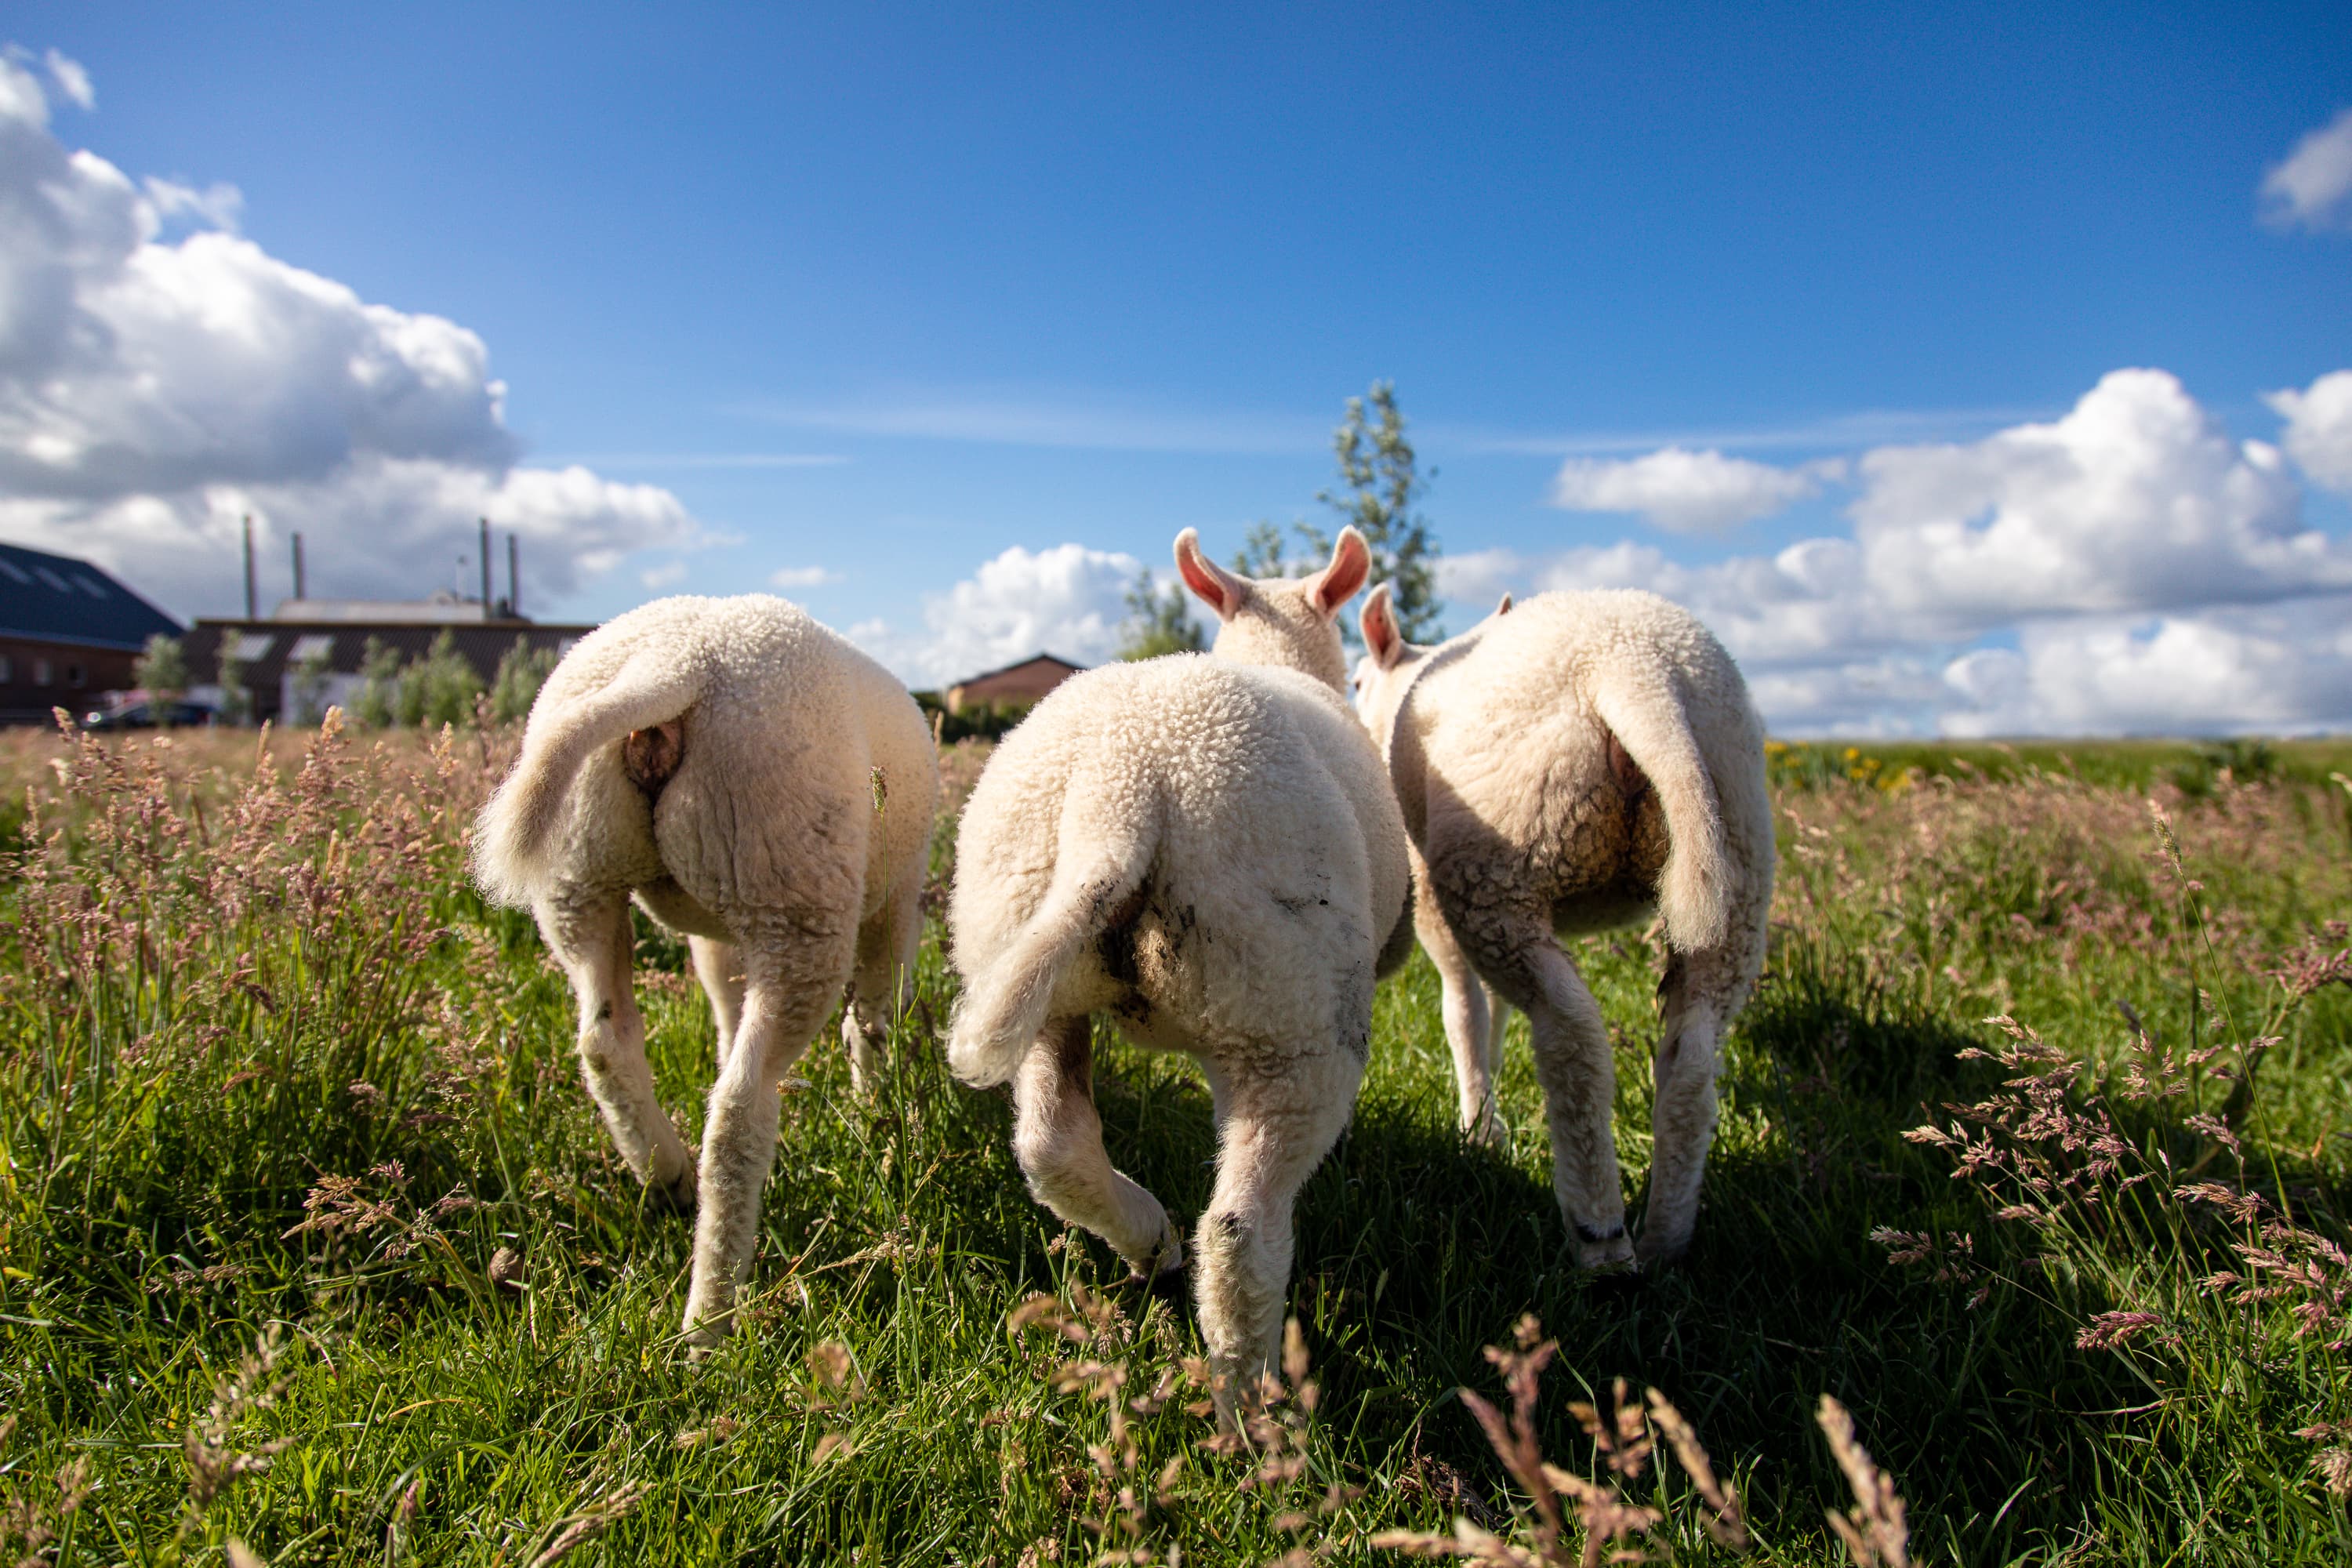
1573,763
759,785
1207,847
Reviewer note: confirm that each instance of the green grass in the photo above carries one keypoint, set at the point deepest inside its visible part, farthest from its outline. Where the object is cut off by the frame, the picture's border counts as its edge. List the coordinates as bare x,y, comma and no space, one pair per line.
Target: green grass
219,1005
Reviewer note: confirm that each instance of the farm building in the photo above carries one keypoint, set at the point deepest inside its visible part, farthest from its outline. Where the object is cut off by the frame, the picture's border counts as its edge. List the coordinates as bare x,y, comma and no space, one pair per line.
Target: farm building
68,630
1023,682
308,655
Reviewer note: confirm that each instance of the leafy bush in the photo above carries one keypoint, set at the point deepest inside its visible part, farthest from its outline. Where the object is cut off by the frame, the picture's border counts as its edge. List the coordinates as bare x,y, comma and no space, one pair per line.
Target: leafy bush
521,672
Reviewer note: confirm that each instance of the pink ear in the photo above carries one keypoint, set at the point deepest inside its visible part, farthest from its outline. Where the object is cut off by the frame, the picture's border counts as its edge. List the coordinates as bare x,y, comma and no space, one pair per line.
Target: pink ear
1380,634
1505,608
1218,588
1351,562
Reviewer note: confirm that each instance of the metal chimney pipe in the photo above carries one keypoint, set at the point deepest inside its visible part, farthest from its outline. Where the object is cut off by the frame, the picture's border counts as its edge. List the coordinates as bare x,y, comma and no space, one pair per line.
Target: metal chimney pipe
298,592
514,581
486,568
249,612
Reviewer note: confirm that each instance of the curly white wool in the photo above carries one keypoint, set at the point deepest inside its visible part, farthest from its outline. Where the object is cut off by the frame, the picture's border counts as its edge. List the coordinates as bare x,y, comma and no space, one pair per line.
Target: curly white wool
1208,847
760,785
1573,763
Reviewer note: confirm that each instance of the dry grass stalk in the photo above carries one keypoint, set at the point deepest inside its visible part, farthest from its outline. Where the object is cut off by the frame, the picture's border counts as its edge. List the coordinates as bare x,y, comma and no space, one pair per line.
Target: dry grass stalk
1874,1531
214,1462
587,1523
29,1523
1605,1516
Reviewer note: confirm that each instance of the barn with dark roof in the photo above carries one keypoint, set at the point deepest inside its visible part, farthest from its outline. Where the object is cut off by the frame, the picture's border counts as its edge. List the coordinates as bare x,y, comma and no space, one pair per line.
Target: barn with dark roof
68,630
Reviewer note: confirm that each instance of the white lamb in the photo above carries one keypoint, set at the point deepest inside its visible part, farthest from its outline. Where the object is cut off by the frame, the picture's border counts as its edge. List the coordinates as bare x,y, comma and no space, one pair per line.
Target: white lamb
1207,847
1570,764
759,785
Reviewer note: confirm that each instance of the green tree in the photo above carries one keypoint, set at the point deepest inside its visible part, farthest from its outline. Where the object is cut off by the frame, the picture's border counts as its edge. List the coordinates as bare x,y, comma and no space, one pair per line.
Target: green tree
1381,485
521,672
375,706
1157,622
437,688
1262,553
163,669
237,697
311,674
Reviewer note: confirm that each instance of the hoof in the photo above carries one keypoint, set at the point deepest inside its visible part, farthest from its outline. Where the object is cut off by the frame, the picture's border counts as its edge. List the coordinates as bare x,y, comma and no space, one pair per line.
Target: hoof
675,1195
1614,1284
1662,1256
704,1339
1487,1132
1169,1284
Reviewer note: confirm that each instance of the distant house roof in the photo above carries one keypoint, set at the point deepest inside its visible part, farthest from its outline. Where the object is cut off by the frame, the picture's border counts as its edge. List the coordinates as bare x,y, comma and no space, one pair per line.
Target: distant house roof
57,598
1027,681
442,609
1033,659
271,649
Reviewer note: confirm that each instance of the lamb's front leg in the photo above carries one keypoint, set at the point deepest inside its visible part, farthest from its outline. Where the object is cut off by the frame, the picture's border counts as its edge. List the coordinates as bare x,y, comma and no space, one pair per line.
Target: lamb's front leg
1700,991
720,967
1275,1131
1578,1071
1057,1138
589,934
1469,1026
884,985
784,1006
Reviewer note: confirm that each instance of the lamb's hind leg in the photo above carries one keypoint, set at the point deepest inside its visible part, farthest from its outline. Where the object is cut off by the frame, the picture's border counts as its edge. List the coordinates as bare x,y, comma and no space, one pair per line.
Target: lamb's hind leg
720,967
1699,993
1579,1075
790,986
1275,1130
589,934
1057,1138
884,983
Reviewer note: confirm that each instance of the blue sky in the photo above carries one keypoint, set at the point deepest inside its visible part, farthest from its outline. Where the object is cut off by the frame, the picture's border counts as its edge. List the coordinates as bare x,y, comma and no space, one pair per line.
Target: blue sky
871,298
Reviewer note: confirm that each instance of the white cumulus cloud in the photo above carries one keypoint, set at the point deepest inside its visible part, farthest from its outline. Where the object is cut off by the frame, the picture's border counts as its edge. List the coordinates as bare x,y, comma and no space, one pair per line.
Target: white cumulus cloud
2153,572
2135,500
2318,434
2313,186
1683,491
2279,668
1067,601
155,390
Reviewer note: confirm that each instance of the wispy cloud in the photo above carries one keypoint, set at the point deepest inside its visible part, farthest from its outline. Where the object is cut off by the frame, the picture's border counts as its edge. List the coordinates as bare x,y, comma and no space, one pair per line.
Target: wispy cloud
802,577
705,460
2313,186
1099,422
1869,428
72,79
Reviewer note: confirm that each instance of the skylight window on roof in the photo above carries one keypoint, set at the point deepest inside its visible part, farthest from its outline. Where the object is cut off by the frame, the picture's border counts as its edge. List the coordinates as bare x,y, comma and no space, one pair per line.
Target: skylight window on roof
90,585
315,645
14,571
52,579
251,646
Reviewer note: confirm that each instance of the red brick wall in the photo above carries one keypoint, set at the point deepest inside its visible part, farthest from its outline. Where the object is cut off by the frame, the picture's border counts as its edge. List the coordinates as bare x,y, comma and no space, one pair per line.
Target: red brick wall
24,699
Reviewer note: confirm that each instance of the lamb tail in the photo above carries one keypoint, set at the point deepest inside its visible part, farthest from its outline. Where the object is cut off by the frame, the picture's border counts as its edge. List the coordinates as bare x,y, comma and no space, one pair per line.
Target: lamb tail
515,837
1002,1010
1649,721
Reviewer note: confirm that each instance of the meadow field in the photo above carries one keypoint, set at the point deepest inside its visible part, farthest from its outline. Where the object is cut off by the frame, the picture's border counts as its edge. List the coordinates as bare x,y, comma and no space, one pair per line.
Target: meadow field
2034,1156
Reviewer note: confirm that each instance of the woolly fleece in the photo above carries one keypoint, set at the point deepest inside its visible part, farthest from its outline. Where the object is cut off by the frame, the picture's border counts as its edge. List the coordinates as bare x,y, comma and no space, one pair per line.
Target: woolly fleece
1209,850
1570,764
758,785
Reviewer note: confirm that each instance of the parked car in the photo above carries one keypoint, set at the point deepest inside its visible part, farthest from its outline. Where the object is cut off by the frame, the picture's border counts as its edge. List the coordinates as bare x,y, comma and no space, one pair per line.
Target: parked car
141,713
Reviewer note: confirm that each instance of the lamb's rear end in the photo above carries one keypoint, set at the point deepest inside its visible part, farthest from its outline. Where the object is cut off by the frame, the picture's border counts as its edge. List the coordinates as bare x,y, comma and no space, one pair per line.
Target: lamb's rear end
759,785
